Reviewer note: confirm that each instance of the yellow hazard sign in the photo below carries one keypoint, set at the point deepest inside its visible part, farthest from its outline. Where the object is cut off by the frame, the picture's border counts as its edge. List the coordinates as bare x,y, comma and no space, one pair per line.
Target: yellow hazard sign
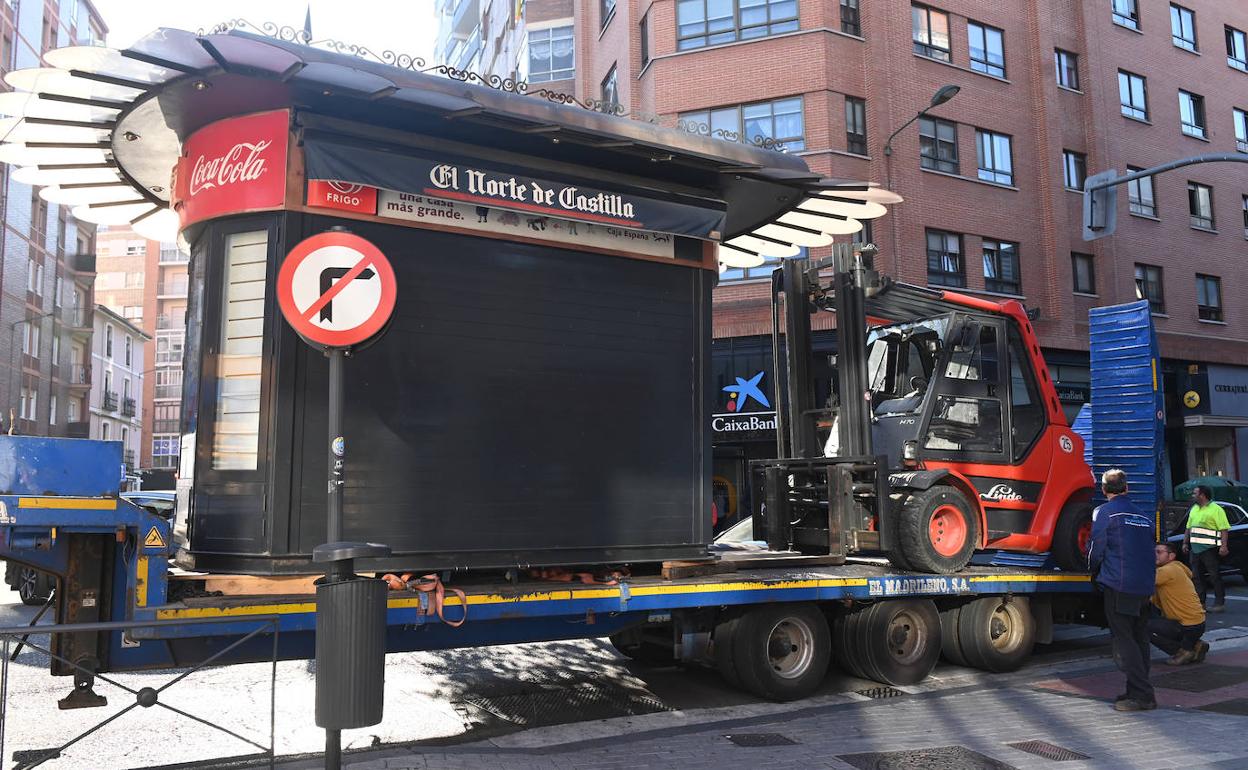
1191,399
153,539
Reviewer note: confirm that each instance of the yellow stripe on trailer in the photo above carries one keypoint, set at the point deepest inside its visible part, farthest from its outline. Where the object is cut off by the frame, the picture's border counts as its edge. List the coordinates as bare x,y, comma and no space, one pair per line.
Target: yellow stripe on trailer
140,582
77,503
1029,578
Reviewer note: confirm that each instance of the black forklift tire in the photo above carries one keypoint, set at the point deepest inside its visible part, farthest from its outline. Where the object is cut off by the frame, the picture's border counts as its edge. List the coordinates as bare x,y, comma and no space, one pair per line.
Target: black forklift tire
996,633
33,587
782,651
1071,536
950,643
632,647
895,642
723,650
938,530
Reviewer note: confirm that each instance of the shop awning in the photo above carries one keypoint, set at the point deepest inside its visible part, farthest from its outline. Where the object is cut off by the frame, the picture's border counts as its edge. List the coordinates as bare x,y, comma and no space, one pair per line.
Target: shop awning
101,129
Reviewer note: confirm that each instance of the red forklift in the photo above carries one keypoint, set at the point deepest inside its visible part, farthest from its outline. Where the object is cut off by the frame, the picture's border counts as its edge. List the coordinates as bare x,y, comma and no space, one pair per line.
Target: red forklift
941,432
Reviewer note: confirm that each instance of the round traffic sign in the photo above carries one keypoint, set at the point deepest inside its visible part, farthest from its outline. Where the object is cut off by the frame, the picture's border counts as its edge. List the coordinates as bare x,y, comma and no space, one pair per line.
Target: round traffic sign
336,289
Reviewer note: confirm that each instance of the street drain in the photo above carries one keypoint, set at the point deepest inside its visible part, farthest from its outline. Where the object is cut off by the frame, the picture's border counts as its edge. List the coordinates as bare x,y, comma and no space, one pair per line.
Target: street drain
753,740
942,758
1202,678
1048,751
1236,706
578,703
881,692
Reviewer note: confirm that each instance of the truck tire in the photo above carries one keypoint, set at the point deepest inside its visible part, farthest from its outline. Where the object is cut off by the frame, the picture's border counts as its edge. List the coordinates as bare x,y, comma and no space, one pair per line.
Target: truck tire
33,587
724,651
950,644
1071,536
938,530
782,651
996,633
894,642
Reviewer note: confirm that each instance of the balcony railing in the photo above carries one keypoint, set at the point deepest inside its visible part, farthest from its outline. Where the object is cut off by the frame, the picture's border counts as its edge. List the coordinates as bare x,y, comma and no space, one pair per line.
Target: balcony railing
166,321
110,401
173,289
78,430
83,263
127,407
78,317
173,256
128,458
80,374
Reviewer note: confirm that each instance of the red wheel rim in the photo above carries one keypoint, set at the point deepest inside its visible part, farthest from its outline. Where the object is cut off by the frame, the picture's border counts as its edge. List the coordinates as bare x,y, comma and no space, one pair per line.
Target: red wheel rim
1084,536
947,530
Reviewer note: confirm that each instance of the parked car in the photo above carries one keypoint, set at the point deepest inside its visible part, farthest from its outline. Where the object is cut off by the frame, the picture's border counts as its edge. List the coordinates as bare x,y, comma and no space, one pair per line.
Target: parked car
161,503
32,586
1237,562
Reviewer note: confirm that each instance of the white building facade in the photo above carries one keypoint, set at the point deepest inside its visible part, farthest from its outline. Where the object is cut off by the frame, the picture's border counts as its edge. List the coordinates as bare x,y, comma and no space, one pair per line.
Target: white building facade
116,401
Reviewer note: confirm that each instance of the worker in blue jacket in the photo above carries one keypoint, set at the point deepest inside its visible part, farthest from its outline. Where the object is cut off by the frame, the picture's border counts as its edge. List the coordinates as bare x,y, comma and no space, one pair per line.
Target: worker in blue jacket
1123,567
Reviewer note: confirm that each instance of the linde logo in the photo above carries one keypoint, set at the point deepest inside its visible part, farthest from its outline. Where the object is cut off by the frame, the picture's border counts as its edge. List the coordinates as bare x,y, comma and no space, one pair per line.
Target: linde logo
241,163
1001,492
572,199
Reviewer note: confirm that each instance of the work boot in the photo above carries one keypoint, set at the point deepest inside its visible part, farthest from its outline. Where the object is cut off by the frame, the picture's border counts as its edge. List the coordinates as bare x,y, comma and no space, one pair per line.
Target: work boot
1218,607
1181,658
1131,704
1202,649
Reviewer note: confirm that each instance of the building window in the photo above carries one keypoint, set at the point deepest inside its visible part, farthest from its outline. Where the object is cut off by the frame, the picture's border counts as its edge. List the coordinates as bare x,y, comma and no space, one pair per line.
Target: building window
1067,65
1200,205
851,23
1241,130
1001,272
1183,27
944,259
995,160
855,125
711,22
1127,13
987,45
1084,271
1074,169
52,409
164,451
611,88
1209,297
1245,203
930,30
1140,194
1133,95
1236,49
1192,114
108,341
938,145
643,32
1148,286
607,9
751,273
129,349
551,55
779,121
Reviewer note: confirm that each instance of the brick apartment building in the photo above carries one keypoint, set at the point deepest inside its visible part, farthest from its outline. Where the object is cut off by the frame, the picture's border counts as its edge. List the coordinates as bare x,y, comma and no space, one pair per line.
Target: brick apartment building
1051,90
47,258
146,282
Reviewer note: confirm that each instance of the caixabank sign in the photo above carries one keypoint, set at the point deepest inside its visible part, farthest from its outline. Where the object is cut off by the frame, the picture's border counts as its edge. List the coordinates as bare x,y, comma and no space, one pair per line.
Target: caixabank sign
745,409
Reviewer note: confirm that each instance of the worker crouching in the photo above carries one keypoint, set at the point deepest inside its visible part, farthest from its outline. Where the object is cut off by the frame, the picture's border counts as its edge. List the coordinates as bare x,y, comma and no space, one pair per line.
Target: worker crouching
1181,622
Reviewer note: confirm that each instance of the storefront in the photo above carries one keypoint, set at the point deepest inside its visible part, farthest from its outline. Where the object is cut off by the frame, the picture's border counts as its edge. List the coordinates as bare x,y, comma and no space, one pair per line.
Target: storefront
1214,401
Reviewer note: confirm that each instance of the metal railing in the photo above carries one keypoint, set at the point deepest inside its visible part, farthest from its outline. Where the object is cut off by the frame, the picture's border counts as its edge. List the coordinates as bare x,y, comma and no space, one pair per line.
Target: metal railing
110,401
127,457
173,256
78,317
174,288
14,638
80,374
128,407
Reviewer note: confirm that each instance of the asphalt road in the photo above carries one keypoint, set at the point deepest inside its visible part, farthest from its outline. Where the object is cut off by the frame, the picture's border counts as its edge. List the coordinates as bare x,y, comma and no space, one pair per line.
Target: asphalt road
449,696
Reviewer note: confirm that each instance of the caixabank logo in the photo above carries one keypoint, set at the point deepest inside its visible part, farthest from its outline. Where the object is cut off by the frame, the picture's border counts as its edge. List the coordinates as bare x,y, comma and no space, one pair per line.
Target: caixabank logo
746,395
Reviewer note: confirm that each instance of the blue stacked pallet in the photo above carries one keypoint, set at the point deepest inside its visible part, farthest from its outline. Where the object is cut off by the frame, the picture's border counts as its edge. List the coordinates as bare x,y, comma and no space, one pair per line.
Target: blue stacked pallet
1128,411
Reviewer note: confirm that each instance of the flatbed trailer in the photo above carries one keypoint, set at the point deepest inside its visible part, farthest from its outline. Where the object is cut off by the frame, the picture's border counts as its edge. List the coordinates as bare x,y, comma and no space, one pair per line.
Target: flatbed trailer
770,622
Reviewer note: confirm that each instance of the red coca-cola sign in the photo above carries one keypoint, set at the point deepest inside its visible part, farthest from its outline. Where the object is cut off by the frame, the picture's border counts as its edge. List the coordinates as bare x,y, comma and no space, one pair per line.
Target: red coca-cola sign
232,166
344,196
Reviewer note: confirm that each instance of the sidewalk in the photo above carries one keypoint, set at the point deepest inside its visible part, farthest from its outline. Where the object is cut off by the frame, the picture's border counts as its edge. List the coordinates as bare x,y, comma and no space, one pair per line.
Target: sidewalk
1201,724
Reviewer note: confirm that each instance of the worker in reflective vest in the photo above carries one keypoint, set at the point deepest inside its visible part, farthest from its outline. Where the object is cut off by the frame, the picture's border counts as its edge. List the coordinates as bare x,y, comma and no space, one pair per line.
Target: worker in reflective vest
1206,543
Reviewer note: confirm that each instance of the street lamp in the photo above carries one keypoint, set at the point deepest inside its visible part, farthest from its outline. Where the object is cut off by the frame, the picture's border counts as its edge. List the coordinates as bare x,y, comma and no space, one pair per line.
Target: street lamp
942,95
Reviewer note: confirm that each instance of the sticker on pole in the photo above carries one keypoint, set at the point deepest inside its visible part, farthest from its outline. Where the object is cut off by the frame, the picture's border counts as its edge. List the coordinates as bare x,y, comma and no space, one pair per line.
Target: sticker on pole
336,289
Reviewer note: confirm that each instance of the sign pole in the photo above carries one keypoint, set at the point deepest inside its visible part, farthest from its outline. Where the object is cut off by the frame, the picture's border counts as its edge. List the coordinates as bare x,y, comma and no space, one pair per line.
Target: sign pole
337,445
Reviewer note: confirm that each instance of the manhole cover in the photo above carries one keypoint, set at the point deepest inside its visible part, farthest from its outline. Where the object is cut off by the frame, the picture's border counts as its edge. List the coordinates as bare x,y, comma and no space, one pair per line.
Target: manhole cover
760,739
1237,706
577,703
1204,677
1048,751
942,758
881,692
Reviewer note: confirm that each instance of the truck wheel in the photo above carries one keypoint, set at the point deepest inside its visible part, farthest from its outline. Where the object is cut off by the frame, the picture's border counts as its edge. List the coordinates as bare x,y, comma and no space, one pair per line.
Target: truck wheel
1072,535
724,651
950,644
894,642
996,633
938,530
781,652
33,587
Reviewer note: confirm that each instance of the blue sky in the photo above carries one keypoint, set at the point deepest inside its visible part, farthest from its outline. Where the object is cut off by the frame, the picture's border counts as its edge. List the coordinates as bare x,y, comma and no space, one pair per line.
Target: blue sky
405,26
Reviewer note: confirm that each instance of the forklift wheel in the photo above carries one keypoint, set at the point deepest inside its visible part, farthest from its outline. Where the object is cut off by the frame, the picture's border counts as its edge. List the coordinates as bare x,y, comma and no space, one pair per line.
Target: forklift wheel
1071,536
893,642
781,651
938,530
996,633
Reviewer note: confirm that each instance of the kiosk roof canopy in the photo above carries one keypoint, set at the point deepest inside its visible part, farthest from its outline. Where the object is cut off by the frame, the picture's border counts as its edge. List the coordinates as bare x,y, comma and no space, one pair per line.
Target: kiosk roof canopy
102,129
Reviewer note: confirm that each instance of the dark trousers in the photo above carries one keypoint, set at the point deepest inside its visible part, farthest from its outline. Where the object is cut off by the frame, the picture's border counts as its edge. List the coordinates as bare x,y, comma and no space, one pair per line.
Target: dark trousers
1170,637
1208,564
1127,615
